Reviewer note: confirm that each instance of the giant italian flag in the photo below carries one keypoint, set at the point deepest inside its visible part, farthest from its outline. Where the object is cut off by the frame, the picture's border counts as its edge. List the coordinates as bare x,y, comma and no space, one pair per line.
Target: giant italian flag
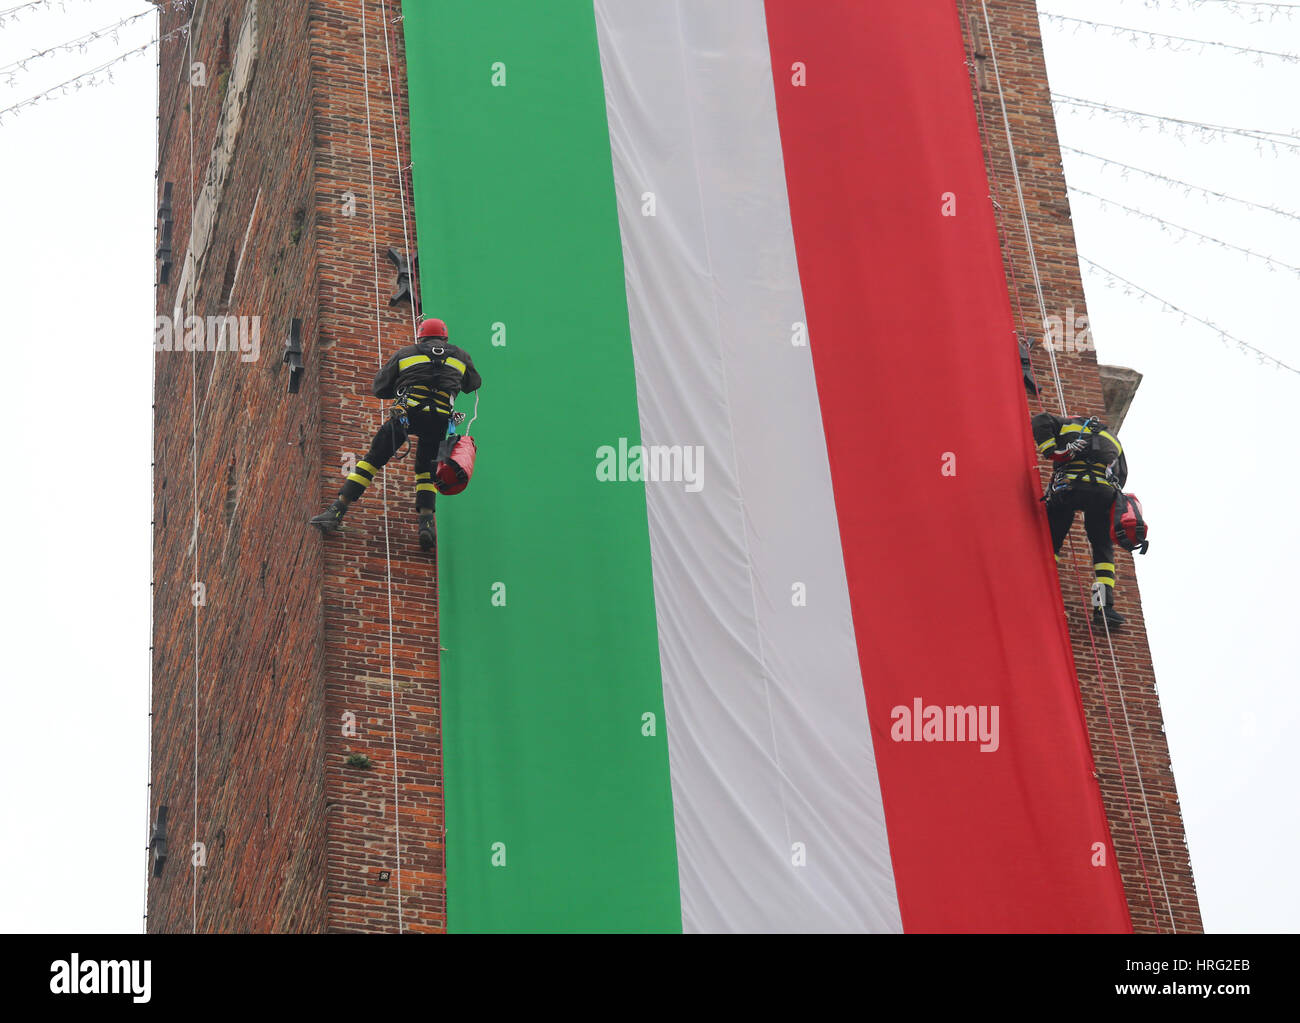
750,620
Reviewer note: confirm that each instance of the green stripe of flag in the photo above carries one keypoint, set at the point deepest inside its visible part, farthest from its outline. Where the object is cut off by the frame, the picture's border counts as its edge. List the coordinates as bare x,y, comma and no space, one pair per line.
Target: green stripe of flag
545,692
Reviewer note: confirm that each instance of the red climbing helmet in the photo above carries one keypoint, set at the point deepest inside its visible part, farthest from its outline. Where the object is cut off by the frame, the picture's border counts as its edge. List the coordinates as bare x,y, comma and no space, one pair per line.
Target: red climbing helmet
432,328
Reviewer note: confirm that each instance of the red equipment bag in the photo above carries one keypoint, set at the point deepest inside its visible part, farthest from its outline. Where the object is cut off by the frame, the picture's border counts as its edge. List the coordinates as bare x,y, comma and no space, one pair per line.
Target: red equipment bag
455,464
1127,526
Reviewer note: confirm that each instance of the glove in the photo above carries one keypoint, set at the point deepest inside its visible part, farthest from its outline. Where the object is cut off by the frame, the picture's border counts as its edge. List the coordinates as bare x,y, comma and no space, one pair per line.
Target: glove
1070,451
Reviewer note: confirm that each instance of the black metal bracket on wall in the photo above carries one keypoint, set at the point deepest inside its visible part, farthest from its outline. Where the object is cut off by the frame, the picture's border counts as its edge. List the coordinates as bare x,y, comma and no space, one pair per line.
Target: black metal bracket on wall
165,234
158,842
404,268
1027,366
293,354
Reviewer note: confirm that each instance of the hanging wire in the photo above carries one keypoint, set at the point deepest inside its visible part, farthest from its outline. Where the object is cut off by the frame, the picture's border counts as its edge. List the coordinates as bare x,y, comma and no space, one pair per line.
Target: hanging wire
153,449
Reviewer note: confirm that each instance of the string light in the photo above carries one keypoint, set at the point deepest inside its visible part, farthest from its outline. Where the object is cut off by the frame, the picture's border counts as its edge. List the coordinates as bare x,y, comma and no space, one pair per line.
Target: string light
80,43
1176,44
1269,261
1128,288
31,5
1186,186
1261,136
90,78
1239,7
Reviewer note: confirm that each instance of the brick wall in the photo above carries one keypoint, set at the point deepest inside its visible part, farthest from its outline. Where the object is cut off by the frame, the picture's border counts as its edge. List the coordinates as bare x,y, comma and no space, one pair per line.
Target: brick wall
292,636
1139,791
362,832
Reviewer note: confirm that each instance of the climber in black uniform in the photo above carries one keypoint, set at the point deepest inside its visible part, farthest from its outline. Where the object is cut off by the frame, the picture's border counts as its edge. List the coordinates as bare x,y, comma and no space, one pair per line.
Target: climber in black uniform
424,378
1090,471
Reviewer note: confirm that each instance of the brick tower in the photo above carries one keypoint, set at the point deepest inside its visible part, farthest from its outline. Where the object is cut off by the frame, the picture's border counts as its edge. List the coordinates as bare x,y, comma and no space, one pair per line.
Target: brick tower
293,671
296,752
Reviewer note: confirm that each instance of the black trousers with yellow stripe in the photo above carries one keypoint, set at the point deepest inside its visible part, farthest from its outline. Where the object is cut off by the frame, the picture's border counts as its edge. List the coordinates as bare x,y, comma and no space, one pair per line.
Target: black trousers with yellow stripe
1096,501
427,430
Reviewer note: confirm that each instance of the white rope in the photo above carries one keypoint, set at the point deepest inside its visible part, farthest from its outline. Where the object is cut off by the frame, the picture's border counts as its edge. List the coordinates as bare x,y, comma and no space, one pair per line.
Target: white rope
1119,685
474,416
194,467
383,483
1024,214
1060,394
401,184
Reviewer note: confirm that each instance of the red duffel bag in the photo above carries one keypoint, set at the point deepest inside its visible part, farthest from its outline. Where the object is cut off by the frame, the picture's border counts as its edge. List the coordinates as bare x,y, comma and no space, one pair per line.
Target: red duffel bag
455,464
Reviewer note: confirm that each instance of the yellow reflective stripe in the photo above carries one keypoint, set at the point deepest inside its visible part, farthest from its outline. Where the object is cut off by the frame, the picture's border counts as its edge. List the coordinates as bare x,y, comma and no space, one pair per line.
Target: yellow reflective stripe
1046,444
1105,580
356,477
412,360
425,486
1071,428
1103,566
1107,435
424,475
363,464
412,402
455,364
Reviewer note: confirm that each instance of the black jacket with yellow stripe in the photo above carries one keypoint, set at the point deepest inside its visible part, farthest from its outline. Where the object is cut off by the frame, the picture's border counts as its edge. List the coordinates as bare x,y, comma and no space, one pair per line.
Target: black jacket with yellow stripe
431,369
1102,461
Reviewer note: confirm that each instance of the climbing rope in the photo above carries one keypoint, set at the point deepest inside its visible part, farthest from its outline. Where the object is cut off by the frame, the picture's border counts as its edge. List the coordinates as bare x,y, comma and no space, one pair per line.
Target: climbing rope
383,484
194,489
1119,686
1060,392
1024,214
401,183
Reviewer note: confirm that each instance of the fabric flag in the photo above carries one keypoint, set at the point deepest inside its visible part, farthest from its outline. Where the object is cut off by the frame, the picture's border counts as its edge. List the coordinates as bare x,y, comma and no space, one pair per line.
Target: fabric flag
750,622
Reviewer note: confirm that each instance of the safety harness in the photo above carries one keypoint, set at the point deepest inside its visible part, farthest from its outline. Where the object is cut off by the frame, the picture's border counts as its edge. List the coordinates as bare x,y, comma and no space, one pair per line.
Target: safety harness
1086,466
421,398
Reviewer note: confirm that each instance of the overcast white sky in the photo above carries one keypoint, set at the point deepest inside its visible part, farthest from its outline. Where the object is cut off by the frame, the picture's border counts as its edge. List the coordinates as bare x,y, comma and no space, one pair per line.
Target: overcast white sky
1209,439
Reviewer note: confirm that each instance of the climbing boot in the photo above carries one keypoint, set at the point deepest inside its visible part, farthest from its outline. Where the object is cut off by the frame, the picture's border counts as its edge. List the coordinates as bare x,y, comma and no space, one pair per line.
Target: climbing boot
1104,607
331,519
428,532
